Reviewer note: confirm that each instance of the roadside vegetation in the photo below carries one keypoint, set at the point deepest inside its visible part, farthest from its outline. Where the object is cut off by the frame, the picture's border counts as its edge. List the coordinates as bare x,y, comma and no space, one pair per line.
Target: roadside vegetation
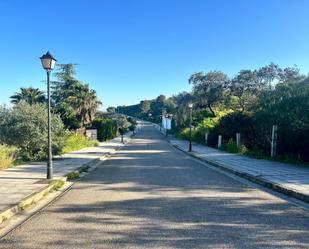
76,141
75,108
249,103
8,155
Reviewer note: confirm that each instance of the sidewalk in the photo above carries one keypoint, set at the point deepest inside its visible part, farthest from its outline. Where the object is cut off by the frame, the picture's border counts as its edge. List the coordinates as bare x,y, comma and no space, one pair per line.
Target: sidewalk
22,181
286,178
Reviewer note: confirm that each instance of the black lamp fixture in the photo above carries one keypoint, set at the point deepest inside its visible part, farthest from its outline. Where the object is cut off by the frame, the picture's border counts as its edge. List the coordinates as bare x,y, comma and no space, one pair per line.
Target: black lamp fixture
48,61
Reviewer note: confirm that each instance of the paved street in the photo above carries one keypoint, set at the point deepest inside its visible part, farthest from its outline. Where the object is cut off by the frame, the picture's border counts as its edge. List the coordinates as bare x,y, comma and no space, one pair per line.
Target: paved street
149,195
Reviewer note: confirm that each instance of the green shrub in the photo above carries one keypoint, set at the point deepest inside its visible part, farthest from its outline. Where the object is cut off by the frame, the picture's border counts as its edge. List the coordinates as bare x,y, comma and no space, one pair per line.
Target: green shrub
287,106
76,141
106,128
198,135
7,155
205,125
184,133
233,123
25,127
231,147
209,123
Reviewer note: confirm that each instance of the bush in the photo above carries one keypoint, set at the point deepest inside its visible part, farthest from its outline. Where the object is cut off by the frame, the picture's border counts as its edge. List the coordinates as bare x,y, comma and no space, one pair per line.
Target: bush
106,128
236,122
206,125
7,155
198,135
231,147
76,141
287,106
184,133
25,127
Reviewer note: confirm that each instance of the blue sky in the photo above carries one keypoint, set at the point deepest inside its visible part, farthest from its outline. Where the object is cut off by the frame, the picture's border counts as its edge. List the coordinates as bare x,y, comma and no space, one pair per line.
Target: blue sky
137,49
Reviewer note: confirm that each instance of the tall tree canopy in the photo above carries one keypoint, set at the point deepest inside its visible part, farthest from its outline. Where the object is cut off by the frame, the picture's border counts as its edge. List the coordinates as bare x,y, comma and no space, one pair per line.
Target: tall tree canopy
76,102
209,88
145,106
30,95
244,88
111,109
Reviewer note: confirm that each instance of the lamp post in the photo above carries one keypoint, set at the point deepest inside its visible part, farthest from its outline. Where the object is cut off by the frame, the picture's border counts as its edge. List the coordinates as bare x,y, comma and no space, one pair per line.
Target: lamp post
48,63
190,105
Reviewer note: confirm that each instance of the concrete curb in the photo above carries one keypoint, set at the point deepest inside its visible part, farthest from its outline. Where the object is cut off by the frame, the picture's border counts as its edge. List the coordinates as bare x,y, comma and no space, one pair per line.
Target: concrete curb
266,183
53,185
31,199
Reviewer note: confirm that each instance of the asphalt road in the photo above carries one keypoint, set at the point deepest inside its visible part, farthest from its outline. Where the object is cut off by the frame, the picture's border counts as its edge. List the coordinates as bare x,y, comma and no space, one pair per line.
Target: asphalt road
149,195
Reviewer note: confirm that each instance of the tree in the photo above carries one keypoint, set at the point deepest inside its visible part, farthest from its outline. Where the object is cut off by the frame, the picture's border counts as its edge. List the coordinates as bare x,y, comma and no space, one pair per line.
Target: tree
266,75
122,124
288,107
111,110
290,75
65,71
25,126
181,112
161,99
209,88
86,103
30,95
145,106
131,110
73,99
244,88
157,107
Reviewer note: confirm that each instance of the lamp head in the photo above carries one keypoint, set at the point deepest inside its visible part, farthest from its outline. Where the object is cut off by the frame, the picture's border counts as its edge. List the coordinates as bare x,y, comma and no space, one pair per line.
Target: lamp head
48,61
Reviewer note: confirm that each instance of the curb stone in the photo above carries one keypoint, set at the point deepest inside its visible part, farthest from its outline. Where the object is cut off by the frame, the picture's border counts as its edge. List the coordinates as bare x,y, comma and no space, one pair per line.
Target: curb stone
30,200
259,180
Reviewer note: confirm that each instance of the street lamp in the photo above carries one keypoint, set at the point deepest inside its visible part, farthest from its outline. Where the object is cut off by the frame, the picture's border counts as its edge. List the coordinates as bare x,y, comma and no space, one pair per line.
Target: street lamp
48,63
190,105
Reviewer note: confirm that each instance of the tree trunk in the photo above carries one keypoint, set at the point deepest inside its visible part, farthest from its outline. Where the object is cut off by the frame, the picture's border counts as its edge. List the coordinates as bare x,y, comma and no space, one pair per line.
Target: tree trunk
211,110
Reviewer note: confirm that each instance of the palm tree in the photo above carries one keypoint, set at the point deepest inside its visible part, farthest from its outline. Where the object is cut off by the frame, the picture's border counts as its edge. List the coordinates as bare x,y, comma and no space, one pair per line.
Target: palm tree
30,95
85,102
